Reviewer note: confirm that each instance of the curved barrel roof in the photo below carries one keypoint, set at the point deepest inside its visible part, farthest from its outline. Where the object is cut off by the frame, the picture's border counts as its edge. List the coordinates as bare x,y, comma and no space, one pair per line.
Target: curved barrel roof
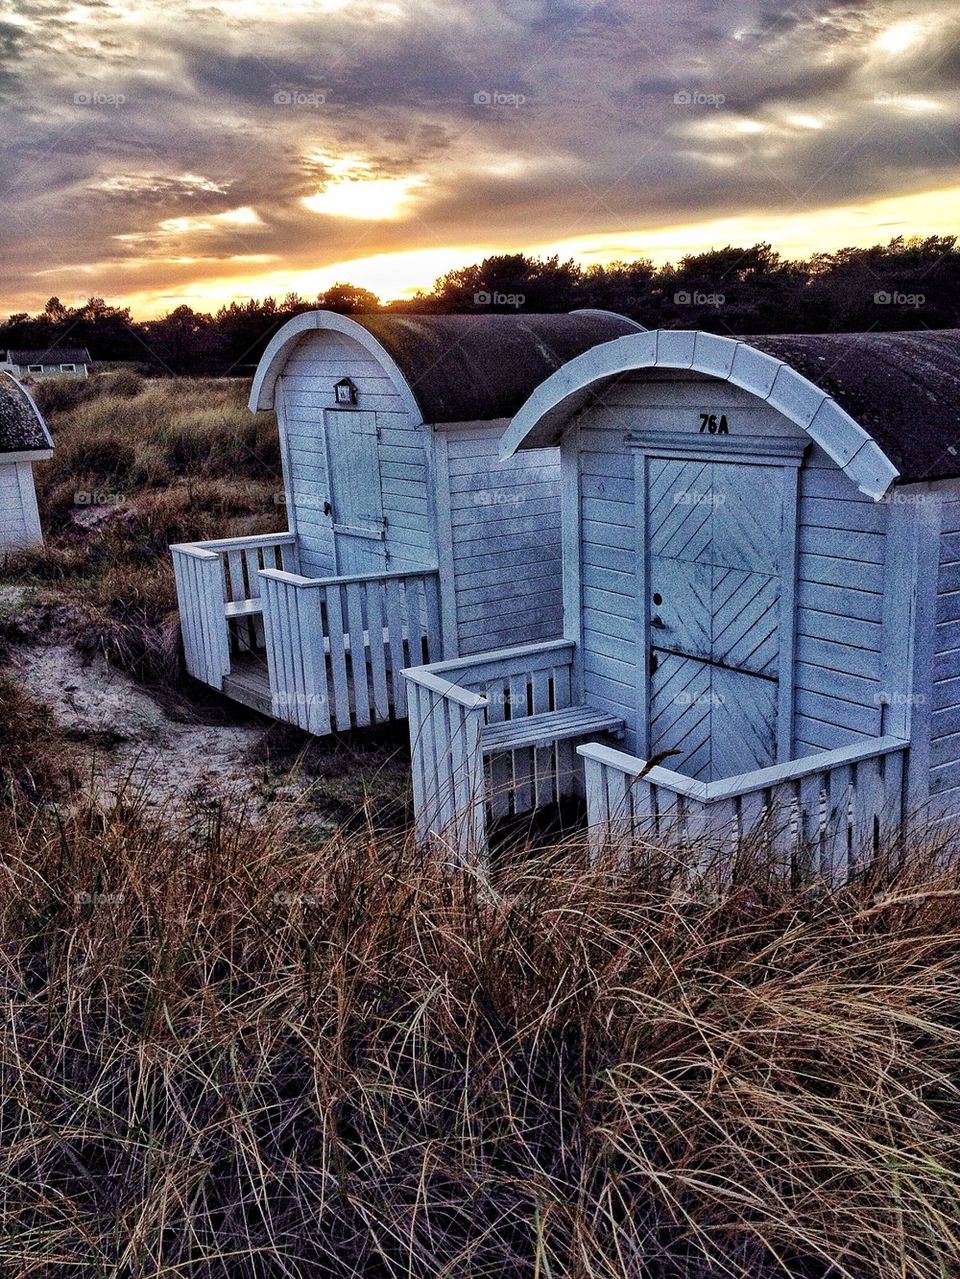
465,368
455,368
886,406
22,429
902,388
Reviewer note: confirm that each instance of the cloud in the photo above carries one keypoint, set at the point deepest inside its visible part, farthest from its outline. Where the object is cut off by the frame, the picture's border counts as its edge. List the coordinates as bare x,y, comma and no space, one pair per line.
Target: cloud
345,132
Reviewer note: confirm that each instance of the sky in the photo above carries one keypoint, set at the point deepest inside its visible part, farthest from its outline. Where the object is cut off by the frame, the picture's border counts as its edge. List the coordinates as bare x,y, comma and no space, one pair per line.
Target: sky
159,152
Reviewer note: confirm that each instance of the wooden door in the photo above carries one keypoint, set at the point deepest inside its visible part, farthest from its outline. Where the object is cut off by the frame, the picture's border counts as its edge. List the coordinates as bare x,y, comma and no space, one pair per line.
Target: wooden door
353,461
714,538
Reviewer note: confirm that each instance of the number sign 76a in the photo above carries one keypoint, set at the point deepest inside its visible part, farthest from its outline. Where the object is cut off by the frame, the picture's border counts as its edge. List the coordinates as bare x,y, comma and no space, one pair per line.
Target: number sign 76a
711,424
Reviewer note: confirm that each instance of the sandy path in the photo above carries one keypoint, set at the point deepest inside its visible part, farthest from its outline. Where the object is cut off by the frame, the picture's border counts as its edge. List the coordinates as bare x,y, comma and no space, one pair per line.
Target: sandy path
132,742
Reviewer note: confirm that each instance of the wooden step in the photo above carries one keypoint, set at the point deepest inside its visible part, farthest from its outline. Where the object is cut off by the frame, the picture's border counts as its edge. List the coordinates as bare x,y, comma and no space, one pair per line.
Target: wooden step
249,684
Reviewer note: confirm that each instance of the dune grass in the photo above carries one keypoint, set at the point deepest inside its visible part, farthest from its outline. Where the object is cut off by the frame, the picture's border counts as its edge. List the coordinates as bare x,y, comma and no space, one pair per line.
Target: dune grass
237,1050
139,464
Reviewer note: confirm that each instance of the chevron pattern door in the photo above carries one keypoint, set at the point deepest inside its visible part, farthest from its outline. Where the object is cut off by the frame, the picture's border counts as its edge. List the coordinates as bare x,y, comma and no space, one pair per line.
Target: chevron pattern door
715,581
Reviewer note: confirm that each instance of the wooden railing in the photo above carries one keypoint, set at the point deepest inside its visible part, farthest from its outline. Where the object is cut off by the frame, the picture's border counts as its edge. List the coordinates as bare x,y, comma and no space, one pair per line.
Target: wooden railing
219,580
823,815
452,703
336,645
446,722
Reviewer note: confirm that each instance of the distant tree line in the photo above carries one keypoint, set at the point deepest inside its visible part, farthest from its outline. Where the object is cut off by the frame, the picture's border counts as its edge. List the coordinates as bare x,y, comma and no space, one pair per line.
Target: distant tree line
910,283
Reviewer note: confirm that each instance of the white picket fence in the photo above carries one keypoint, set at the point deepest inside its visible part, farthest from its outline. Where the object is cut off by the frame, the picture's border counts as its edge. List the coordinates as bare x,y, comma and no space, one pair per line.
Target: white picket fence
336,646
219,580
823,815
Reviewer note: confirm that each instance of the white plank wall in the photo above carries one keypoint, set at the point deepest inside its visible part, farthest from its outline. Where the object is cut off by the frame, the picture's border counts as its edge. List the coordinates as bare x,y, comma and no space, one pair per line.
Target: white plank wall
19,522
316,364
841,578
505,530
841,548
945,709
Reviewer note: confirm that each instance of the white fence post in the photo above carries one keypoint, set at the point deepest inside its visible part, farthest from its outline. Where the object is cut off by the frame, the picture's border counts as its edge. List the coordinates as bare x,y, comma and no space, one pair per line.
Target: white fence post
201,598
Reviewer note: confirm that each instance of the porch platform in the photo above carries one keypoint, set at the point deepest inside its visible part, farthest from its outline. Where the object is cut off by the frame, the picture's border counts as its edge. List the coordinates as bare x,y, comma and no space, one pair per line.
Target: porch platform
320,653
249,683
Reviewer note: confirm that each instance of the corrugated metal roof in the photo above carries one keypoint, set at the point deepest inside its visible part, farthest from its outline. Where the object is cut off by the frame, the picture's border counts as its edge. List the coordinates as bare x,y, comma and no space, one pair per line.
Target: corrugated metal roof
902,388
22,429
470,368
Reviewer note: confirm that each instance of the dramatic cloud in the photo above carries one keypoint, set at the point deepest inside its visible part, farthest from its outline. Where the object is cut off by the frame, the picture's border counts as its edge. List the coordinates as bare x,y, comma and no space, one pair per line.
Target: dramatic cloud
193,152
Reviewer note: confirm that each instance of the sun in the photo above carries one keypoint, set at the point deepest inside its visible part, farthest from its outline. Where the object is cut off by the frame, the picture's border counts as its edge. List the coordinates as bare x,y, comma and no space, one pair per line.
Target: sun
352,190
900,37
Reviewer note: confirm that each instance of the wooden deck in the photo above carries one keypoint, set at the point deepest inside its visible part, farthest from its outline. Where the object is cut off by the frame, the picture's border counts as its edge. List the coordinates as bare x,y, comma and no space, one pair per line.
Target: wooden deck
249,683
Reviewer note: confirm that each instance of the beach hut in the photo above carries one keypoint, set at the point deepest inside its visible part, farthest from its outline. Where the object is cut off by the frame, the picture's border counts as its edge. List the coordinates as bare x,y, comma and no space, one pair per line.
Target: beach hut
24,440
409,538
761,587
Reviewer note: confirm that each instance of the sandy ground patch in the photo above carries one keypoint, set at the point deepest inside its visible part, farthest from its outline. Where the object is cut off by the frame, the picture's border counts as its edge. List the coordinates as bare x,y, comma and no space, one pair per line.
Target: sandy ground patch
130,742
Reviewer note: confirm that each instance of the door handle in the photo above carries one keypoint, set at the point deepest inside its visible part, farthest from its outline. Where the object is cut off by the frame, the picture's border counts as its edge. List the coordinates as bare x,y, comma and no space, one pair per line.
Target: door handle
658,624
327,508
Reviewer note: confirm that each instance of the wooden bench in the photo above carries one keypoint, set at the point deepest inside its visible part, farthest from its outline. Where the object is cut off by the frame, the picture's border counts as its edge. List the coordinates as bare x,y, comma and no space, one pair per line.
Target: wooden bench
243,608
551,726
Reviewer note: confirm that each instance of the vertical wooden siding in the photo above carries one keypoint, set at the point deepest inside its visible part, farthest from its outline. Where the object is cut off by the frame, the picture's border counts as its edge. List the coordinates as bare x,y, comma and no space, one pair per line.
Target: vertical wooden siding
841,546
19,522
317,362
505,533
945,674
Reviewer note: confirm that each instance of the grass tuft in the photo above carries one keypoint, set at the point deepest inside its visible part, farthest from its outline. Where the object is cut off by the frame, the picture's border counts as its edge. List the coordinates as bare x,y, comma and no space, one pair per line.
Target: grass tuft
231,1050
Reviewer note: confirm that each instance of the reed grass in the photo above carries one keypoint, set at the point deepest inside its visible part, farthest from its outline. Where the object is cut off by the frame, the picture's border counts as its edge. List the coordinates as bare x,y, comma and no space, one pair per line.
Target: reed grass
246,1050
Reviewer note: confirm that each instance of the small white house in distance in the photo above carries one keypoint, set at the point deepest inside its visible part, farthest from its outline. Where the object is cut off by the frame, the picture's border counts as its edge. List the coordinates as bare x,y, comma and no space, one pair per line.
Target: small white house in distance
409,538
24,439
54,361
761,582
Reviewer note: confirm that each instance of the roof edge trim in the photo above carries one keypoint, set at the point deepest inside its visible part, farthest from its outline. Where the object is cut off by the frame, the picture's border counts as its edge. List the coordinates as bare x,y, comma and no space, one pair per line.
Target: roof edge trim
548,411
36,412
278,350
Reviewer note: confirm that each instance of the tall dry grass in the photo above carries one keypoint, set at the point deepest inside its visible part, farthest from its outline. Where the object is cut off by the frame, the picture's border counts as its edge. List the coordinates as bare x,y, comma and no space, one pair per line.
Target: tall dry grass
243,1051
139,464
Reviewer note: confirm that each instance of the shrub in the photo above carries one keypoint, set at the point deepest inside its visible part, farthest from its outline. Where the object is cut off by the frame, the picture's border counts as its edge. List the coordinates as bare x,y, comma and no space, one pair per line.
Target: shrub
31,747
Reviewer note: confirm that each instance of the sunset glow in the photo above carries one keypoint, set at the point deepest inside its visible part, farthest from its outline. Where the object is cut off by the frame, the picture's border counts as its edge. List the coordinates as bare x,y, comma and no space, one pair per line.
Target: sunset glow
153,159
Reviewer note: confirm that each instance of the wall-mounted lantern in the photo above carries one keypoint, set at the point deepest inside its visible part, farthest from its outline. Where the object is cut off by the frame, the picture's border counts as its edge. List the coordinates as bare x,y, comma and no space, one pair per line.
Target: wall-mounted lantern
345,392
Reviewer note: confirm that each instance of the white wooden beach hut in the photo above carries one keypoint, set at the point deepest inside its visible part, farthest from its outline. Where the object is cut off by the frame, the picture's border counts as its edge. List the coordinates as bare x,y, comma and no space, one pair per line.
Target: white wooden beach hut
761,586
409,538
24,440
